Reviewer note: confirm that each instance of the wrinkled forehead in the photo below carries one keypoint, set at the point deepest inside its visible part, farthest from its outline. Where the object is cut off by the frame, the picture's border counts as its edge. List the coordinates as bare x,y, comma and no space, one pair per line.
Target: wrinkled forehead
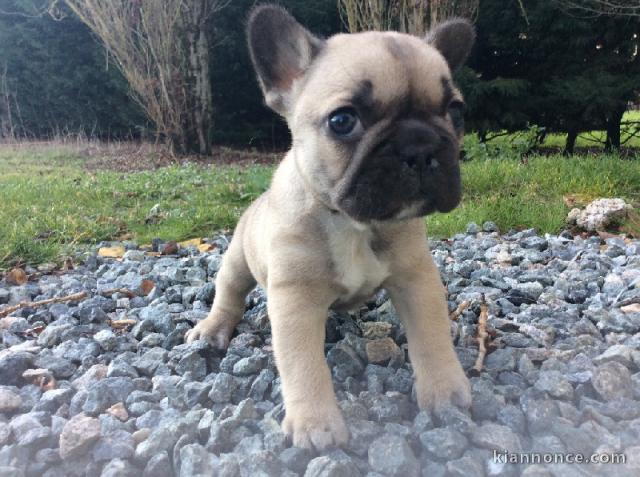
379,70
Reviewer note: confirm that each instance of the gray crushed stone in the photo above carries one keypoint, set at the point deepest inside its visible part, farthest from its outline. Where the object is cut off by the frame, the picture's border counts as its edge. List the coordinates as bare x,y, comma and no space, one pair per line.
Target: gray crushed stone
562,375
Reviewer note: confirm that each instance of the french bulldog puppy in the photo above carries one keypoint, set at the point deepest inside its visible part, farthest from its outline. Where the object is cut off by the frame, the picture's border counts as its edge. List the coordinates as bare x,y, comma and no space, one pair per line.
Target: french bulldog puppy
376,123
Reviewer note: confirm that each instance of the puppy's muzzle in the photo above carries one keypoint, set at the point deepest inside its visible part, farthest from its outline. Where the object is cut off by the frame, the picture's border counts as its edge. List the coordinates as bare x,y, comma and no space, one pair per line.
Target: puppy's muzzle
412,171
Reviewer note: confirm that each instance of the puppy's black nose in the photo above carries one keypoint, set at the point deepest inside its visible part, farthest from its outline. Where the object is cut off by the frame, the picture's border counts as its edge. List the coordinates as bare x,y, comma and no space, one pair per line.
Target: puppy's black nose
415,143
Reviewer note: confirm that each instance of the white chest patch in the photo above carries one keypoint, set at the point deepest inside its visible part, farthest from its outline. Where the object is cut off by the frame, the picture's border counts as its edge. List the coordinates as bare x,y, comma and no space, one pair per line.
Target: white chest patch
358,270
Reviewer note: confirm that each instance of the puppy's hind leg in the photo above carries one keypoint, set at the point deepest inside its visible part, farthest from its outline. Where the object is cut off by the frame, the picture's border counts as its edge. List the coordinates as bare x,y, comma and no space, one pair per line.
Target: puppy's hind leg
233,282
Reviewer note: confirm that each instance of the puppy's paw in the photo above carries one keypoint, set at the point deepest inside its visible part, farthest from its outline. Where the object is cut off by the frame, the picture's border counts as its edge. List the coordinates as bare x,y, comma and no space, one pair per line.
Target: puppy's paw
216,332
317,428
437,390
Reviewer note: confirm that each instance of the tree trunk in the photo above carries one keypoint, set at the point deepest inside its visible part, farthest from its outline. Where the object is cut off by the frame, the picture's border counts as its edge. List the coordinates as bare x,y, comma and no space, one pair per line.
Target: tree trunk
541,136
5,118
162,48
572,135
613,131
202,109
6,121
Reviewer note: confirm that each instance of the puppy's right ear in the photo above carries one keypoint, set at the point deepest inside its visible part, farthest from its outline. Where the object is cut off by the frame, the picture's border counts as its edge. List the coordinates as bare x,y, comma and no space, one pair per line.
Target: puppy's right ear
281,51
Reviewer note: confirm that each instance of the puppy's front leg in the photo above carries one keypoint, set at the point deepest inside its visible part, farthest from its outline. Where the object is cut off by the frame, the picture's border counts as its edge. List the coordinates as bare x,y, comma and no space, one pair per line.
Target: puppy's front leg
312,416
419,298
233,283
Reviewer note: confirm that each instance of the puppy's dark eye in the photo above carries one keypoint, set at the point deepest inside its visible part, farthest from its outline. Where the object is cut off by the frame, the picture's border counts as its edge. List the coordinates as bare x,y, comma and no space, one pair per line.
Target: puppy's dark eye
456,112
343,121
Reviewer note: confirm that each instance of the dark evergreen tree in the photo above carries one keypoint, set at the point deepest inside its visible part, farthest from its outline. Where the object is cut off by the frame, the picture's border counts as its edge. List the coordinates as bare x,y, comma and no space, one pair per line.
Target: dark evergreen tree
59,80
566,73
241,117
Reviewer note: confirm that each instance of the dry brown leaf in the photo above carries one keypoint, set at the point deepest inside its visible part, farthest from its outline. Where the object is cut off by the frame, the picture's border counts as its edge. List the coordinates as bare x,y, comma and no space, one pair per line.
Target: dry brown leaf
190,243
205,247
606,235
68,265
118,411
569,201
47,383
169,248
111,291
153,254
112,252
17,276
146,287
633,308
575,200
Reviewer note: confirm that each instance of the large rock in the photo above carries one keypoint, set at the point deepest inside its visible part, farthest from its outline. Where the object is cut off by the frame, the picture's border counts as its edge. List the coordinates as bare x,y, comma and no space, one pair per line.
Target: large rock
9,401
119,468
78,434
327,466
611,380
494,436
105,393
599,214
445,444
12,365
195,460
391,455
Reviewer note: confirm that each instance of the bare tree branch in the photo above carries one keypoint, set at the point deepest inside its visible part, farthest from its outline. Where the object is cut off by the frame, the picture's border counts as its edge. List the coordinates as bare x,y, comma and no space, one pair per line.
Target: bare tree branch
162,49
32,10
7,128
601,7
408,16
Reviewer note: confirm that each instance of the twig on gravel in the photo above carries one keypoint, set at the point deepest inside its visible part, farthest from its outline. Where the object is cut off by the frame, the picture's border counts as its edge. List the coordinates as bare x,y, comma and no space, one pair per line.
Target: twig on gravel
482,335
453,316
128,293
121,324
36,304
31,332
145,289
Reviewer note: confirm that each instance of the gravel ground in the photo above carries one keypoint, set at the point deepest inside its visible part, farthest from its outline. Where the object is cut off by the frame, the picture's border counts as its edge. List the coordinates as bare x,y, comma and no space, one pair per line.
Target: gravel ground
78,397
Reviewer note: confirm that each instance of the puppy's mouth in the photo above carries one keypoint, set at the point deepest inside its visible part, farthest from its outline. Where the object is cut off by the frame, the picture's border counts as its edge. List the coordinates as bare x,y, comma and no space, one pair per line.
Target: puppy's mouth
411,171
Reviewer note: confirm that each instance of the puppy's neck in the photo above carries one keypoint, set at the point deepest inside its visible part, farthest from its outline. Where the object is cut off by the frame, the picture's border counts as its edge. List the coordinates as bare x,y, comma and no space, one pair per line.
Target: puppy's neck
292,178
347,221
303,195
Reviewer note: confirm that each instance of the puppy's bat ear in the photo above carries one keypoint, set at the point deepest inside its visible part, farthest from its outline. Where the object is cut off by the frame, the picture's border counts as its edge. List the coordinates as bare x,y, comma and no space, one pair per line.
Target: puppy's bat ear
453,39
281,51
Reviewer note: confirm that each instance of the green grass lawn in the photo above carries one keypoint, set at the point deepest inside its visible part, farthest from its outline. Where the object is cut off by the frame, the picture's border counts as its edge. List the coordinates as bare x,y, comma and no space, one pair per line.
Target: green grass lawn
591,139
51,206
595,139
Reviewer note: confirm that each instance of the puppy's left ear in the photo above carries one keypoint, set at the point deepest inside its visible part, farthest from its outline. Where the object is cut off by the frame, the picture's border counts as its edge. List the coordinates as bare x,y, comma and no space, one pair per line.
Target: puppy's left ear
453,39
281,51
